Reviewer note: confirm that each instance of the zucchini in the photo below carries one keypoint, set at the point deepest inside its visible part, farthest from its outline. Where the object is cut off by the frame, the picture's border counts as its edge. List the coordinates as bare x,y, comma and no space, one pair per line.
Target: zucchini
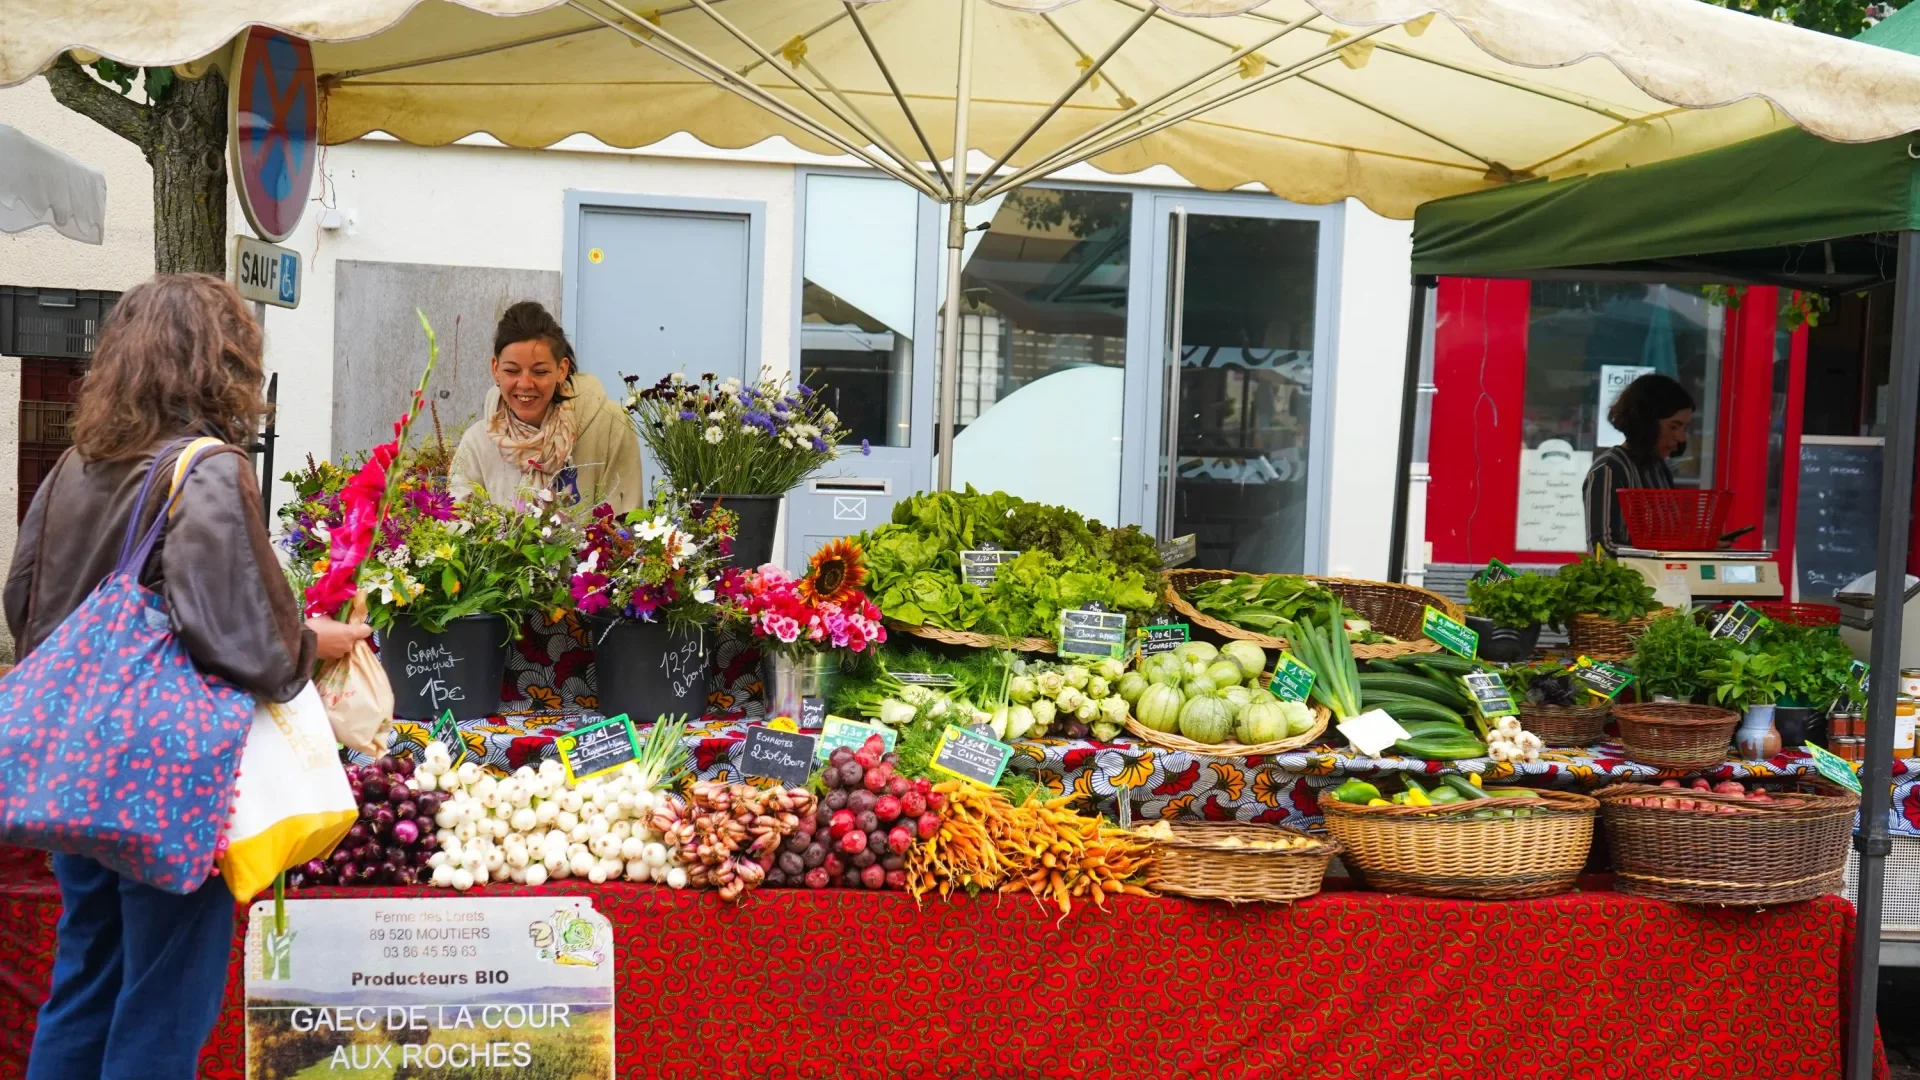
1420,729
1443,747
1445,662
1414,686
1412,708
1464,786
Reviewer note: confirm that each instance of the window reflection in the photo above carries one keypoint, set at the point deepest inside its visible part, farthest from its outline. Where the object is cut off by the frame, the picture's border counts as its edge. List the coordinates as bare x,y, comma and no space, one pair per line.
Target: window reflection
1043,346
856,303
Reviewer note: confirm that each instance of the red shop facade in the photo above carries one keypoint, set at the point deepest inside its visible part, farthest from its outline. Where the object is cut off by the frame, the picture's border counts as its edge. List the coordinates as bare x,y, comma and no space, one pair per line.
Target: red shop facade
1790,393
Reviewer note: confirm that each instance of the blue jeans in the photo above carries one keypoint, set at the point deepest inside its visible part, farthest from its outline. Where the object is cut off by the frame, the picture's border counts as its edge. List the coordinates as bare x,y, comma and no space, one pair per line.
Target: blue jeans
137,980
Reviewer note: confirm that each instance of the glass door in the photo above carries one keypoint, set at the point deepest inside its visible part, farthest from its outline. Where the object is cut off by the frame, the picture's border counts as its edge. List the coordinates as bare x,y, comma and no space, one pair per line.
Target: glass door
1243,398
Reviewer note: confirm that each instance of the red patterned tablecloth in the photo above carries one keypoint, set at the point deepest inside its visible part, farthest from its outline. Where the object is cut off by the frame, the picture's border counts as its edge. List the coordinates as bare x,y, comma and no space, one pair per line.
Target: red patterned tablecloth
860,986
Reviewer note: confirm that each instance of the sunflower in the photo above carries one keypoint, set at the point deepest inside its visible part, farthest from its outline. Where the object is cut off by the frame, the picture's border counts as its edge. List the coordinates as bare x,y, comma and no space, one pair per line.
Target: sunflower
833,574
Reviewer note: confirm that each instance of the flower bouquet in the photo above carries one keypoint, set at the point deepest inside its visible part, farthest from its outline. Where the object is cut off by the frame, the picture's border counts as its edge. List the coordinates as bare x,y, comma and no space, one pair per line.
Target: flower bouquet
647,580
802,624
746,444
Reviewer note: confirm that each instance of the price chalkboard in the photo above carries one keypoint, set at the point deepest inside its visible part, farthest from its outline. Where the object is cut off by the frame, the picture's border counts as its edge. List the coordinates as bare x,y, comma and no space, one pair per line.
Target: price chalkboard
1450,633
598,748
1494,573
1292,680
1738,623
813,713
1601,678
838,731
968,756
1490,694
1163,638
446,732
1084,632
1180,550
786,756
981,567
1837,535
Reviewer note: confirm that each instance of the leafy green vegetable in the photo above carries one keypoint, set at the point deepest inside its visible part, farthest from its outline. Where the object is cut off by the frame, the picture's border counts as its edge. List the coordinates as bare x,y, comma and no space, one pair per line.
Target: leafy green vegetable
1066,561
1672,654
1741,679
1517,602
1605,588
1815,664
1267,603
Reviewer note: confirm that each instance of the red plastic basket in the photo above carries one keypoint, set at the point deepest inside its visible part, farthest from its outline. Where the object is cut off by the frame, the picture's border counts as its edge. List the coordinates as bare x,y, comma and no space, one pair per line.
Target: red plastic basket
1797,614
1674,519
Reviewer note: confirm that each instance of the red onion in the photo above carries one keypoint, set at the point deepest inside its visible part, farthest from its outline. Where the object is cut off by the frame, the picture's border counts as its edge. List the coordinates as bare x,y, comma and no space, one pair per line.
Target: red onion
405,831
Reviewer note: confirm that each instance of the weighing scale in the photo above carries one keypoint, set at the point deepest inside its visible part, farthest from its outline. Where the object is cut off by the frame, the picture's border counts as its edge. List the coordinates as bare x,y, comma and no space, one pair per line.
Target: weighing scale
1684,579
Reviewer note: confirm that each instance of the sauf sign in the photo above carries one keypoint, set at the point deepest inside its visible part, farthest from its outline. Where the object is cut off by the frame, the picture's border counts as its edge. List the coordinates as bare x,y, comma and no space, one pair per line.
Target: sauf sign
266,273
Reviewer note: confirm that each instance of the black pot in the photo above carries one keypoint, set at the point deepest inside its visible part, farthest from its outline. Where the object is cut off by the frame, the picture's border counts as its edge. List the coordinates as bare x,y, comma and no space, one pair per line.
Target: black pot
759,514
459,670
1797,725
648,670
1503,644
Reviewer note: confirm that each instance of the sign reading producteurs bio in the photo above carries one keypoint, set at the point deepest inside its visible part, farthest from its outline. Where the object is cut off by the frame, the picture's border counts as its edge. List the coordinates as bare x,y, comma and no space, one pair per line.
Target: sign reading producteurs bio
447,985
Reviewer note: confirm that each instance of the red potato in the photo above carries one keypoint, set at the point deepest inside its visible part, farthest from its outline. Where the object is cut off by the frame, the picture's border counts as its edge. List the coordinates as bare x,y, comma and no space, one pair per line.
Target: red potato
1702,784
1670,783
1730,787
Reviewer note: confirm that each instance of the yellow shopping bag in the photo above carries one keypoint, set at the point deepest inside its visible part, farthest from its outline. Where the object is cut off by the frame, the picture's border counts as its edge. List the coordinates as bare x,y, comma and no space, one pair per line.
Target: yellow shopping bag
293,802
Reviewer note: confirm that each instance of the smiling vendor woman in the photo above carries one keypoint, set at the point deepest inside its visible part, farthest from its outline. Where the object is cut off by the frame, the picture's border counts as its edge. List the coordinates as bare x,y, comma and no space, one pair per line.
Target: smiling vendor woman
1653,414
545,424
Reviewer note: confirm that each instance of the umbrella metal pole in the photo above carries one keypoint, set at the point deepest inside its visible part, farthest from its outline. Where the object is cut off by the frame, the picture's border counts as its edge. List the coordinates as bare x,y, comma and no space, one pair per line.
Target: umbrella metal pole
1409,405
1889,602
956,244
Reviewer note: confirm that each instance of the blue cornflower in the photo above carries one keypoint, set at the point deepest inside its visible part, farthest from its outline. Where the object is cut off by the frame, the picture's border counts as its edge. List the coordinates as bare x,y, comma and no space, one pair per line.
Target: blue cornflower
689,414
760,420
804,390
866,448
819,444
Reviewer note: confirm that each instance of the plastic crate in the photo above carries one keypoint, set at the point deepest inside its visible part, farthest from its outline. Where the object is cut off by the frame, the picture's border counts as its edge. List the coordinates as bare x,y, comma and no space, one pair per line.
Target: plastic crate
1797,614
46,422
47,379
36,463
63,323
1674,519
1900,896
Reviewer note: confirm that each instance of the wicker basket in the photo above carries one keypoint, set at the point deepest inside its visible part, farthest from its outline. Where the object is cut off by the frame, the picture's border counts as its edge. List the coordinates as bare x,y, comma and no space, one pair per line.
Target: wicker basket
1674,735
1398,610
1445,851
1769,854
1566,726
971,640
1606,639
1199,863
1167,740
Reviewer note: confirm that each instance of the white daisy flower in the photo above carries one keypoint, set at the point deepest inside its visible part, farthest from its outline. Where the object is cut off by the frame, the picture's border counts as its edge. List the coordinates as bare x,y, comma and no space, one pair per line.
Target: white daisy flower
714,436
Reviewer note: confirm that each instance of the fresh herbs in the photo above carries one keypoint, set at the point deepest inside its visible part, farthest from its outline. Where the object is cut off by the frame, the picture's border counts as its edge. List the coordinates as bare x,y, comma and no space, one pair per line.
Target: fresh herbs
1518,602
1605,588
1266,603
1742,679
1672,654
1066,561
1814,662
1542,683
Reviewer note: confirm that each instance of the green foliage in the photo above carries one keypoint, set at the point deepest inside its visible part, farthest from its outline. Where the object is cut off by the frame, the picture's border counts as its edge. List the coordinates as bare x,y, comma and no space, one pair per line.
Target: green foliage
1742,678
1815,663
491,559
1517,602
156,83
1673,654
1066,561
1605,588
1842,18
1541,683
1267,603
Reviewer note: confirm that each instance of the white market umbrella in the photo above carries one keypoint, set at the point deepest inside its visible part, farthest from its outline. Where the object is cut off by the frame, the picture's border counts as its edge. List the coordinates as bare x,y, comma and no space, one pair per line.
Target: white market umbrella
42,186
1393,102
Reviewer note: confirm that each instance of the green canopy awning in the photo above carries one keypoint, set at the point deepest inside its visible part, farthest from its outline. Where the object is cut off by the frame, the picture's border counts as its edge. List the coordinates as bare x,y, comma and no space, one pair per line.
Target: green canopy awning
1786,208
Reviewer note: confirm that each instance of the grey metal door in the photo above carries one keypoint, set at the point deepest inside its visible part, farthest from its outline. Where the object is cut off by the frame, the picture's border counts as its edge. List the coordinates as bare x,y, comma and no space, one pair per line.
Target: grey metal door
656,286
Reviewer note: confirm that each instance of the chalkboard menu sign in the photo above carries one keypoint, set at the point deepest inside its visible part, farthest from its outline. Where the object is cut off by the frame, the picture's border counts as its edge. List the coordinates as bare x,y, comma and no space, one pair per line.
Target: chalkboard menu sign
1602,679
1838,535
1490,694
976,759
598,748
981,567
1090,632
1738,623
786,756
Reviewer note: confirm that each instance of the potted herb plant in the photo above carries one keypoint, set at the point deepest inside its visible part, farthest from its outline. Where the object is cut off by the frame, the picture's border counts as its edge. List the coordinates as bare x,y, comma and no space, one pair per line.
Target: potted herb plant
1604,605
737,444
1671,656
1749,681
646,583
1508,614
1817,668
803,625
449,585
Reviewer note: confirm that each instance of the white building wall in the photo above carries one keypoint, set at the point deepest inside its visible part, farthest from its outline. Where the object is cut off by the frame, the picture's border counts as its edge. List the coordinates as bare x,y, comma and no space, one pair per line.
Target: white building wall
1370,368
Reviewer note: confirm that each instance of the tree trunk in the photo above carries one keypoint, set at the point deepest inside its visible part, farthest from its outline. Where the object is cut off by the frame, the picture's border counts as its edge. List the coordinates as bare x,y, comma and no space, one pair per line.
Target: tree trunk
188,152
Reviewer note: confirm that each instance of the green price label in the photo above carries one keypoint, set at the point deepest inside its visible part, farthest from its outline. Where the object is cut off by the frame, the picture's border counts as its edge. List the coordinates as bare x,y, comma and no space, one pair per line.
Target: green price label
1084,632
1495,572
447,733
1600,678
1837,769
838,731
1163,638
598,748
1292,680
1451,634
976,759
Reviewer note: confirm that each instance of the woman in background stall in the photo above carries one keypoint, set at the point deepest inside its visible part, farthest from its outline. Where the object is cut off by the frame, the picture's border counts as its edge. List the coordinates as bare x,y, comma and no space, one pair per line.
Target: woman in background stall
546,425
1653,414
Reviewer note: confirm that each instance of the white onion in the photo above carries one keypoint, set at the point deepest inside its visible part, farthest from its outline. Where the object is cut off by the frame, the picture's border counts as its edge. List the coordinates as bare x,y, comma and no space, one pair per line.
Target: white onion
656,854
536,875
581,864
442,876
461,880
677,878
523,820
597,873
567,820
546,812
638,870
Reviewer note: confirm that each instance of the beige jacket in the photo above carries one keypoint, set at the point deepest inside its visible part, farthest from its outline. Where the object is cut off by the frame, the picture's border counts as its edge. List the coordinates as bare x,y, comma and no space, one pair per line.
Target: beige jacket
605,462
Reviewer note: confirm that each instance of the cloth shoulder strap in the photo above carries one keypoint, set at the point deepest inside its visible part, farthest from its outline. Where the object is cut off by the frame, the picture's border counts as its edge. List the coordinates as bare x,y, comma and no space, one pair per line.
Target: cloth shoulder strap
185,462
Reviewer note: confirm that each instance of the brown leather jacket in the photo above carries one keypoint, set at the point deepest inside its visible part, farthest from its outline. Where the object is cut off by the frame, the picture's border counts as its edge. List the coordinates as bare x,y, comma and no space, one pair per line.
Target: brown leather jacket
231,604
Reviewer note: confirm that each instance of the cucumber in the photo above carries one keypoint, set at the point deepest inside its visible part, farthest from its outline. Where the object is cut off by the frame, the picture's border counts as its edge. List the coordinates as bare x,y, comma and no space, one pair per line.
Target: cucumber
1385,666
1420,729
1413,709
1464,786
1441,748
1446,662
1453,697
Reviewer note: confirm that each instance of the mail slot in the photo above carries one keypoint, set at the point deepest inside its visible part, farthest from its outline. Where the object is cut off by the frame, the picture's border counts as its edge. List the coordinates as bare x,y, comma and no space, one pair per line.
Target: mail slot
829,507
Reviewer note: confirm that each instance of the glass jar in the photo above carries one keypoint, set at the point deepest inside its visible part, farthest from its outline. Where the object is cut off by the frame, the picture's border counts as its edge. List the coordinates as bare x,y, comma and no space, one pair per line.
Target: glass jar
1903,726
